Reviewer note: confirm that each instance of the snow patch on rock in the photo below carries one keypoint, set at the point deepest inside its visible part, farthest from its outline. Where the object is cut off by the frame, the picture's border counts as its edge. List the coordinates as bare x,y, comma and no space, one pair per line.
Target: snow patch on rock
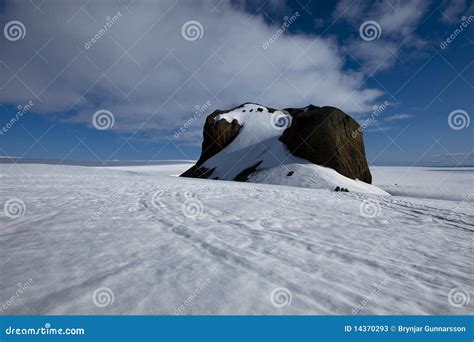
258,145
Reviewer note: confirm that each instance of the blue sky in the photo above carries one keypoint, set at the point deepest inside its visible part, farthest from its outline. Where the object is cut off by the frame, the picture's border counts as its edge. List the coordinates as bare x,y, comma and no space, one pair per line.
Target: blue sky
146,71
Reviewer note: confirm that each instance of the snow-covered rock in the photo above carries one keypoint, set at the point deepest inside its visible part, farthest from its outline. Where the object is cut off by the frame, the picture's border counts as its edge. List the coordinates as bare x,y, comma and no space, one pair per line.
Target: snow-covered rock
251,143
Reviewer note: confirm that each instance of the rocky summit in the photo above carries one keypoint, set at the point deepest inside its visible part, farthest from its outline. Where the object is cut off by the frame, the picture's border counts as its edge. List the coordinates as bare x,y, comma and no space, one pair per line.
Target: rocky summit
316,147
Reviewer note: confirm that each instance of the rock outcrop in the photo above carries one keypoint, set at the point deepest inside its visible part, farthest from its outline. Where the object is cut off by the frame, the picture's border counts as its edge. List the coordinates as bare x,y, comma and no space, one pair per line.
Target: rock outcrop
325,136
216,136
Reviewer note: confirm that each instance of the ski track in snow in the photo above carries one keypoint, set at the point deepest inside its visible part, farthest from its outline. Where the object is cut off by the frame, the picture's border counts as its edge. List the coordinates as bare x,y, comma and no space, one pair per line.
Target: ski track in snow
156,239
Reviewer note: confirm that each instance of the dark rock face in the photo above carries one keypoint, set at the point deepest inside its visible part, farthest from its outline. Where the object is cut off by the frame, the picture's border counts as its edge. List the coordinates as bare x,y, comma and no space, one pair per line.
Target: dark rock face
243,176
217,135
325,136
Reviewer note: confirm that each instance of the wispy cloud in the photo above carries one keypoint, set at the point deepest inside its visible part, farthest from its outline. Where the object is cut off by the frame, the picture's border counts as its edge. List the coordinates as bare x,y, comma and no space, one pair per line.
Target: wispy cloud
453,10
387,123
398,117
460,158
455,155
397,22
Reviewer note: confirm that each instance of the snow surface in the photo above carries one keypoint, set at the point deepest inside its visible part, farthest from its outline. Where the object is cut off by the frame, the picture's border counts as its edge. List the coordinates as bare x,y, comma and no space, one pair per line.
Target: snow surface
165,245
425,182
258,141
164,170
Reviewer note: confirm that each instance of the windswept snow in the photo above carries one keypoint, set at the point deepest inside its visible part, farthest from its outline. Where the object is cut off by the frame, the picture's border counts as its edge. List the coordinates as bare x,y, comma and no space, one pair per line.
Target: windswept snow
258,141
156,244
456,184
312,176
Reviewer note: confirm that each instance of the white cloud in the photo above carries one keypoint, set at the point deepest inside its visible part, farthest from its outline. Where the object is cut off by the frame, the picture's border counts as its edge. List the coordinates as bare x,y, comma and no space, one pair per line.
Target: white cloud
460,158
453,11
397,117
397,18
398,21
373,56
401,18
457,154
351,10
151,78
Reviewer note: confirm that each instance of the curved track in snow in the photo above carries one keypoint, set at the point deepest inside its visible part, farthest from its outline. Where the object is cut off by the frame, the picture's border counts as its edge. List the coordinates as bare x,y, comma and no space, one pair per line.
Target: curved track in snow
155,240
